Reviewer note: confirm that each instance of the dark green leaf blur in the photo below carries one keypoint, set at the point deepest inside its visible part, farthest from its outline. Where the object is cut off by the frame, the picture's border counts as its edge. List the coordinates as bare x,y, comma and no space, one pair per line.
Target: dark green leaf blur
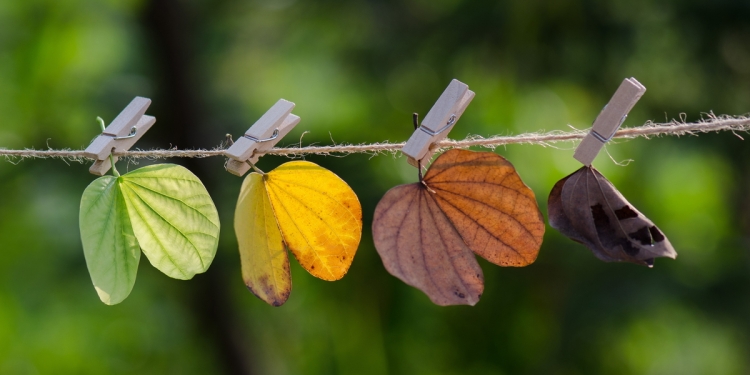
357,70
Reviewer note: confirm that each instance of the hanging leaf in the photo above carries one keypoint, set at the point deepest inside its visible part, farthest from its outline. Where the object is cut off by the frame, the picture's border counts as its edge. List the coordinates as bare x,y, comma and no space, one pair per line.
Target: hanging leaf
587,208
318,215
109,245
468,202
492,209
265,264
173,217
163,209
419,245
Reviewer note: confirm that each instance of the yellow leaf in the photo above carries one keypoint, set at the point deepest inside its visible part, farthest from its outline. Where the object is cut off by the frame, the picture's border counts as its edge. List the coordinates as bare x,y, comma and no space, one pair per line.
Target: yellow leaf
319,216
265,264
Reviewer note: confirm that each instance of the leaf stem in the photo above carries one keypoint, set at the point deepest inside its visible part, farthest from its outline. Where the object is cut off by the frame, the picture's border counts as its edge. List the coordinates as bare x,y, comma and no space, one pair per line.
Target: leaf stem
111,158
415,122
419,168
256,169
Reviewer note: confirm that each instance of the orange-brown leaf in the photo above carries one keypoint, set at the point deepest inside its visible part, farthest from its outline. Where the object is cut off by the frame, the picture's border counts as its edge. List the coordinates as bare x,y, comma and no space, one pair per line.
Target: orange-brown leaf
419,245
491,208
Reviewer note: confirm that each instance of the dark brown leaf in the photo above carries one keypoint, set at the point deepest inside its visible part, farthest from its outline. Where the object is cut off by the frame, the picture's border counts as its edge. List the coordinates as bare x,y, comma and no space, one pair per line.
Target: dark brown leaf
586,207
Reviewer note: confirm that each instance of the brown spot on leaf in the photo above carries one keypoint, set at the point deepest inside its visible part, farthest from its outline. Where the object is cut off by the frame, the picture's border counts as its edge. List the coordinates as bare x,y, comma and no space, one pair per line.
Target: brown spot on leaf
625,213
656,234
600,217
642,235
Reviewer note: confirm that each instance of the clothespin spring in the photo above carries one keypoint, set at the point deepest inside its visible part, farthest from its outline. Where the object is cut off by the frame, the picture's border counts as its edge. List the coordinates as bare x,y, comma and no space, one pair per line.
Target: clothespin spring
272,137
257,140
133,133
451,121
600,137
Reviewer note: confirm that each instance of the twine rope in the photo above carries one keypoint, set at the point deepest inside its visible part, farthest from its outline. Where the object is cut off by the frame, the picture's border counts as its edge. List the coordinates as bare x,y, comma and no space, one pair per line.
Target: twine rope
711,123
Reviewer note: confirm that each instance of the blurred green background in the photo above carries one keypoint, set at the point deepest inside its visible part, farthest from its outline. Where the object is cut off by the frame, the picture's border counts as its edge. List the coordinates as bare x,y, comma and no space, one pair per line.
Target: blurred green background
357,70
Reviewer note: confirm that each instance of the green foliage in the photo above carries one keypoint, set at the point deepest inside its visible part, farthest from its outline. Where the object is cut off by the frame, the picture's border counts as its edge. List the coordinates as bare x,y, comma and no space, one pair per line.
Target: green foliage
163,209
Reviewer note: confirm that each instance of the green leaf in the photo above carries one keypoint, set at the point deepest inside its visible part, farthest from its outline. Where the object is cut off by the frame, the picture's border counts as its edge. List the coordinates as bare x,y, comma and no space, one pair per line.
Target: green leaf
163,209
173,217
109,245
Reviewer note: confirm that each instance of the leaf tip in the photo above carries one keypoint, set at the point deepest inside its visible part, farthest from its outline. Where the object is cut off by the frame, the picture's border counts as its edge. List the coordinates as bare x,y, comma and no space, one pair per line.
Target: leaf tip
106,298
269,295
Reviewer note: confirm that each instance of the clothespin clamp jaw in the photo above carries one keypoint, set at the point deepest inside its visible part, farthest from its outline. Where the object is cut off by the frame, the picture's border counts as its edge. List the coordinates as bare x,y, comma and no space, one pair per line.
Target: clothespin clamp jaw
609,120
262,136
121,134
438,123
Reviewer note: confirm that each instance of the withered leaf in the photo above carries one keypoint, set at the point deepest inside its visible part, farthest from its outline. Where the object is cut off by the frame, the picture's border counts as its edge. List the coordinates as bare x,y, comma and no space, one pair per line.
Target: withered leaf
587,208
493,210
421,247
468,202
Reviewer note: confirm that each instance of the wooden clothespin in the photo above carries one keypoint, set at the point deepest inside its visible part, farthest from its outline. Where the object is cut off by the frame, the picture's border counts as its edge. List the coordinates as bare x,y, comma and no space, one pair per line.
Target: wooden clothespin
121,134
438,122
609,120
262,136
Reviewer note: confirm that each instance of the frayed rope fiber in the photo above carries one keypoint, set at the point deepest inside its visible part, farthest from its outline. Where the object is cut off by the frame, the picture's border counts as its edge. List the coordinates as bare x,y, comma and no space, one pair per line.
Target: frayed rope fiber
711,123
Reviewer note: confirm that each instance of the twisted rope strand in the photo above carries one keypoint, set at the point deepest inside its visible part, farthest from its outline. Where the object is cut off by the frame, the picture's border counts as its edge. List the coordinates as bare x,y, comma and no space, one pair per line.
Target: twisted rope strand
712,123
